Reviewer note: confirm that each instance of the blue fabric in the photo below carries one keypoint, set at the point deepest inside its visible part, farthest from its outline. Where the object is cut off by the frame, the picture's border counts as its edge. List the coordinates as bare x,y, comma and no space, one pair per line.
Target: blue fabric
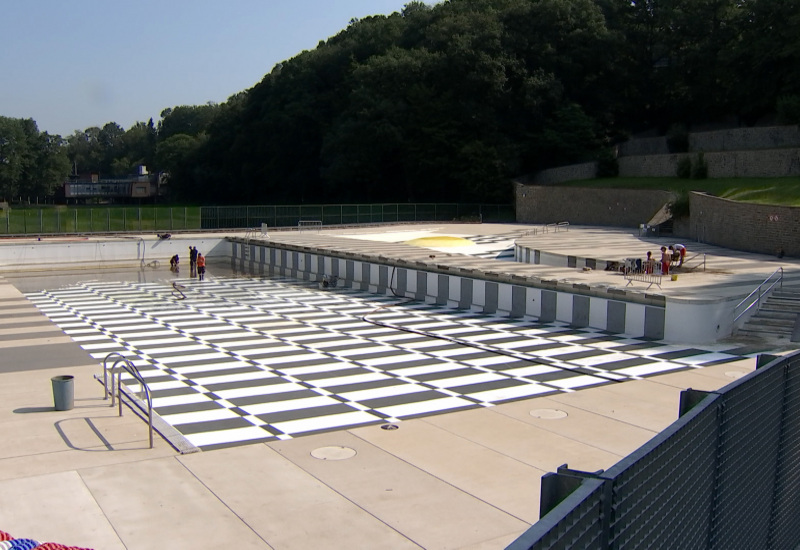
23,544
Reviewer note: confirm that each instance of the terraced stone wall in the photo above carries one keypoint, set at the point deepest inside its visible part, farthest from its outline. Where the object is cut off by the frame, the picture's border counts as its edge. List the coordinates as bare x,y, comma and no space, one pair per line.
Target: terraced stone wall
733,139
745,226
586,206
771,163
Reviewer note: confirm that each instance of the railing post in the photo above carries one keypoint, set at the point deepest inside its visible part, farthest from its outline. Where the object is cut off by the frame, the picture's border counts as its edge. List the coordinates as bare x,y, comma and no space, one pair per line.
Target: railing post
119,390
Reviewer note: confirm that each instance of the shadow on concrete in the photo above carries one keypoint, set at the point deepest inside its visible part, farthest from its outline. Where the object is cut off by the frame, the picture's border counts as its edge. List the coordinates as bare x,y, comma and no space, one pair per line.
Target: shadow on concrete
26,410
65,438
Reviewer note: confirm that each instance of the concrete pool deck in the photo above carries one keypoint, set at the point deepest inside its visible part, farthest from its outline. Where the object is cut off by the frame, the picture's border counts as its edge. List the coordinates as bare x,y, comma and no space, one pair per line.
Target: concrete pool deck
467,479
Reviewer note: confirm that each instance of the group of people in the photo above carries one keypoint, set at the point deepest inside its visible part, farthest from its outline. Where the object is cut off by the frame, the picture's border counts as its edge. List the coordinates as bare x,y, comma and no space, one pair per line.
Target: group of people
197,264
672,255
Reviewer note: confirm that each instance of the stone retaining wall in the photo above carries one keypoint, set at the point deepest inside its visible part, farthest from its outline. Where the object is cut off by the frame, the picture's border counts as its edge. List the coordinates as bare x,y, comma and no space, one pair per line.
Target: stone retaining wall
734,139
643,146
767,152
739,139
773,163
745,226
587,206
585,171
731,224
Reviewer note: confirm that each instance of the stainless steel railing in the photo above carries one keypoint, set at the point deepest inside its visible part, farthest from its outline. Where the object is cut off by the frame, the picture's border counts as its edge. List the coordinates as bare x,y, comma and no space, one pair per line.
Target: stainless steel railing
117,390
759,293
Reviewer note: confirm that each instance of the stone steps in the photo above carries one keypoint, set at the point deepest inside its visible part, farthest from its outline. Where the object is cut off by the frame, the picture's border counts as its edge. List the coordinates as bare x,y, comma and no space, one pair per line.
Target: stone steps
777,318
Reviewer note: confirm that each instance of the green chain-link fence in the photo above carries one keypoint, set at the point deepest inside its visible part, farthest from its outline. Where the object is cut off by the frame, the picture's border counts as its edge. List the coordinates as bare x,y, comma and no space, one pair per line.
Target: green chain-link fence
89,219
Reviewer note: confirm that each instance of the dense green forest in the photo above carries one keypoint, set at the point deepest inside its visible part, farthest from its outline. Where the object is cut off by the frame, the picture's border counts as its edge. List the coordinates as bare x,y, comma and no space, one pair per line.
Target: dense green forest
447,102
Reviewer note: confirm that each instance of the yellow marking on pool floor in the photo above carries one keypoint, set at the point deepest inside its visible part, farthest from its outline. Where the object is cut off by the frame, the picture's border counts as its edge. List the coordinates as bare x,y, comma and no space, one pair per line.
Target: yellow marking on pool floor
440,241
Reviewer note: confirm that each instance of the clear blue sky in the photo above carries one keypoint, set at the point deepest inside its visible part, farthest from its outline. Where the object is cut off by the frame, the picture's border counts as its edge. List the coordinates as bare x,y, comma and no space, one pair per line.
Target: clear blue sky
74,64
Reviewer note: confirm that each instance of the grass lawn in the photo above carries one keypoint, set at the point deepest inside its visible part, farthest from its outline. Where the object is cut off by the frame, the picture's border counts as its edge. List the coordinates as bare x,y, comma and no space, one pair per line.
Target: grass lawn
784,191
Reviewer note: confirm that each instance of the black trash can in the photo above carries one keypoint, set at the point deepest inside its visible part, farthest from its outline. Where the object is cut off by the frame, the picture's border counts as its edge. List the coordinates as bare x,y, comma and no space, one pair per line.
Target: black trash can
63,392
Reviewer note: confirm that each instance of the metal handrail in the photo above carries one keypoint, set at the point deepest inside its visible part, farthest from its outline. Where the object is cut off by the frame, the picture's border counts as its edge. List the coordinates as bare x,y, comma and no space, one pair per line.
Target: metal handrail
117,391
105,375
177,291
690,258
760,292
141,244
546,228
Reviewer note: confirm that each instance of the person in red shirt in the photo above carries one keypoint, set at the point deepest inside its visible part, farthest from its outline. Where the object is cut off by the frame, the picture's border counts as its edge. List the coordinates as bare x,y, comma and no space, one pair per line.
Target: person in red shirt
201,266
666,258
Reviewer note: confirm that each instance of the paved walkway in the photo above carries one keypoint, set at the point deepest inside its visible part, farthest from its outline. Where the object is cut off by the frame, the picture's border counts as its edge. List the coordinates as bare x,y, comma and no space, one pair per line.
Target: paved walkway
466,477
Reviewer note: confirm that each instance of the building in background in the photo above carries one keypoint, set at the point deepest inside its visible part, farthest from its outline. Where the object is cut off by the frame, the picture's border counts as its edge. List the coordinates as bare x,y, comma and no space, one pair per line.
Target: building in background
86,188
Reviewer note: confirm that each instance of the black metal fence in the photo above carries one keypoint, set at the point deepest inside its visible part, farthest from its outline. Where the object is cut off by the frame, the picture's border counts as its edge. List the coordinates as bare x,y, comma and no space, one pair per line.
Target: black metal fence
725,475
223,217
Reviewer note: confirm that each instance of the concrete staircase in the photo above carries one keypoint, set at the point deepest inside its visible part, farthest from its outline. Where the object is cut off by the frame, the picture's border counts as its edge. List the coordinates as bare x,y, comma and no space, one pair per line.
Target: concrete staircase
777,318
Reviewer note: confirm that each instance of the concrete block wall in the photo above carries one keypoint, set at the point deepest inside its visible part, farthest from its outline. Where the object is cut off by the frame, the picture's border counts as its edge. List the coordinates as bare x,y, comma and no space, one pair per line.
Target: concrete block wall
456,290
738,152
643,146
585,171
731,224
91,253
651,166
773,163
739,139
744,226
732,139
587,206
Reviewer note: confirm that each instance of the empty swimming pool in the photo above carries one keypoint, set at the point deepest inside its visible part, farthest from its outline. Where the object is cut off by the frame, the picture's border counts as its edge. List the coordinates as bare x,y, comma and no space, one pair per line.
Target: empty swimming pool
245,360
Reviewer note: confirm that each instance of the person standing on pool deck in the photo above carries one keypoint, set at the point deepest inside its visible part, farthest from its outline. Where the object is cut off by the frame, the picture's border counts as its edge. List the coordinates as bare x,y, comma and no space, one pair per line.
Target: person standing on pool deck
680,249
666,258
192,261
201,266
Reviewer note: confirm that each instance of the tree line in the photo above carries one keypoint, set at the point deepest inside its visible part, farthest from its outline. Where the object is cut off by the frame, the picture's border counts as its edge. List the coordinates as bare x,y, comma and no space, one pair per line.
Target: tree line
447,102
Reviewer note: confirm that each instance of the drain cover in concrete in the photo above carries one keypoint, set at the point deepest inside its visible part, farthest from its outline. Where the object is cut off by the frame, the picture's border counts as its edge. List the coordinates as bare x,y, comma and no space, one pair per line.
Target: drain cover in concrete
548,414
333,453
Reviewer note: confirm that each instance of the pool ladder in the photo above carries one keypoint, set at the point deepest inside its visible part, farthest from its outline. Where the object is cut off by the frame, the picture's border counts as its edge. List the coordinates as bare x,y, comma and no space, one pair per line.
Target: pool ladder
117,391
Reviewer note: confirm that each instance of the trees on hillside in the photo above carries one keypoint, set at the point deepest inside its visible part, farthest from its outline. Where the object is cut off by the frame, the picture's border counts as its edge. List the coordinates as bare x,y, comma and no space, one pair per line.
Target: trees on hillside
32,163
439,103
447,102
115,152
